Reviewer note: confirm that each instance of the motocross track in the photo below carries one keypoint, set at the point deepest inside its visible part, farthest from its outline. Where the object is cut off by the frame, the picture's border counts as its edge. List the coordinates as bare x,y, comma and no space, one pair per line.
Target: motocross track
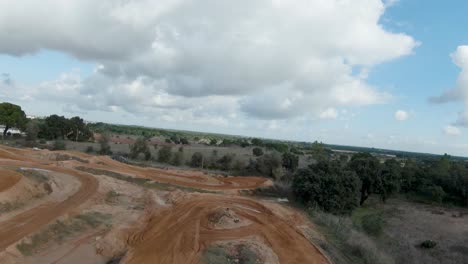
180,234
176,234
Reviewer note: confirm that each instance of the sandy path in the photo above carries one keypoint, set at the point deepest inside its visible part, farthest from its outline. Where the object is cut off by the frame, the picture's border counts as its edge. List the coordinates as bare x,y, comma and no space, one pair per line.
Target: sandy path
180,234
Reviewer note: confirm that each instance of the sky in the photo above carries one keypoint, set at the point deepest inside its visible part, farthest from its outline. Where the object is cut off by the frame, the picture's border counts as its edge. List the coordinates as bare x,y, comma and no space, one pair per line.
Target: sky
386,74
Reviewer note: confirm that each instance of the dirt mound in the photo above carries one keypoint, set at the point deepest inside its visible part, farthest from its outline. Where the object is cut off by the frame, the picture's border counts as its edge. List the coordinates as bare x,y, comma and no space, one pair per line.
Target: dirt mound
8,178
182,233
226,218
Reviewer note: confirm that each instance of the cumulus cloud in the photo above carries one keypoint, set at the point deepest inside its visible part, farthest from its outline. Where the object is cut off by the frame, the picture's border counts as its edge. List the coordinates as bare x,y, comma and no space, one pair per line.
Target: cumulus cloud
452,131
401,115
460,92
267,59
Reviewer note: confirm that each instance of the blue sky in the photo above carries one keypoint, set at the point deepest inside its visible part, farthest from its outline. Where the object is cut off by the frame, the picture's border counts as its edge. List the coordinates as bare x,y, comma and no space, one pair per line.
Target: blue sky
270,70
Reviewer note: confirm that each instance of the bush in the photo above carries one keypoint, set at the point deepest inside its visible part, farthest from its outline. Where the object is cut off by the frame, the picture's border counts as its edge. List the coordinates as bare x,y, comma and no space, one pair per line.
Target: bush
197,160
59,145
140,147
257,152
104,143
89,149
165,154
428,244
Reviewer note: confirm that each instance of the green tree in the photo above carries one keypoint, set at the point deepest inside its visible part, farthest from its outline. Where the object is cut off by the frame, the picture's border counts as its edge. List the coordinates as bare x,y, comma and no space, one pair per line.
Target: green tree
55,127
12,116
225,162
367,167
290,161
257,152
327,185
140,147
391,178
269,164
257,142
165,154
79,131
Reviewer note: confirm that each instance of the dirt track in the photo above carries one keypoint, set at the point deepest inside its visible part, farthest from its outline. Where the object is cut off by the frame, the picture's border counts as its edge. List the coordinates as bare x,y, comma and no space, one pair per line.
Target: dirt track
178,234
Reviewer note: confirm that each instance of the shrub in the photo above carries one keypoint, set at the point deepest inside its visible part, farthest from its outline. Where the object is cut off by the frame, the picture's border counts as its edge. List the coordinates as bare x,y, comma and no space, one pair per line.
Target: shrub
257,151
197,160
59,145
428,244
165,154
140,147
89,149
104,143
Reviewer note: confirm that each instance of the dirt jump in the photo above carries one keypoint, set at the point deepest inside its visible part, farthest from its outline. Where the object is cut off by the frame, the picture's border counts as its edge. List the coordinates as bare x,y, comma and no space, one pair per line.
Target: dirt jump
176,233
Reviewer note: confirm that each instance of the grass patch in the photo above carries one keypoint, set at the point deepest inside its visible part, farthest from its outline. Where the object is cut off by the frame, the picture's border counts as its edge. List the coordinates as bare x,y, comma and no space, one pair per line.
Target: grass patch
60,230
140,181
6,207
239,254
111,196
64,157
346,242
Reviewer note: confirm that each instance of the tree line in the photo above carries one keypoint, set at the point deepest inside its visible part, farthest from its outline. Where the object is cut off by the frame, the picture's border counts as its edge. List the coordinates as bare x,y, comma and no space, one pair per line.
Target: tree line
340,187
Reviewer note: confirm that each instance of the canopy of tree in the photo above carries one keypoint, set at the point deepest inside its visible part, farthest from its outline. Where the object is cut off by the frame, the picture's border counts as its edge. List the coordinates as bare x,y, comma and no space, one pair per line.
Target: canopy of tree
12,116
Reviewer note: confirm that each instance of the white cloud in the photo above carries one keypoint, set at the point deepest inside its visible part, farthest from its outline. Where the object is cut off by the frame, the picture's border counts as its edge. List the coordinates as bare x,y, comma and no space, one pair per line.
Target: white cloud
452,131
460,92
261,59
330,113
401,115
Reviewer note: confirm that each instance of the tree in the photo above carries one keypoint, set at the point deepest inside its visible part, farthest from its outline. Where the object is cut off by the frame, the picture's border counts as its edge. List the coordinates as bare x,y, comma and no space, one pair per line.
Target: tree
225,162
269,164
290,161
12,116
197,160
391,177
79,131
257,142
55,127
367,167
140,147
257,152
327,185
165,154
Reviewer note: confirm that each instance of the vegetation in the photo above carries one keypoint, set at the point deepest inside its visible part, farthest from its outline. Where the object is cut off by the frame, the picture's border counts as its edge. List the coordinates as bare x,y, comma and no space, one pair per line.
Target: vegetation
12,116
328,186
59,230
60,127
104,144
257,151
59,145
165,154
239,254
197,160
140,147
